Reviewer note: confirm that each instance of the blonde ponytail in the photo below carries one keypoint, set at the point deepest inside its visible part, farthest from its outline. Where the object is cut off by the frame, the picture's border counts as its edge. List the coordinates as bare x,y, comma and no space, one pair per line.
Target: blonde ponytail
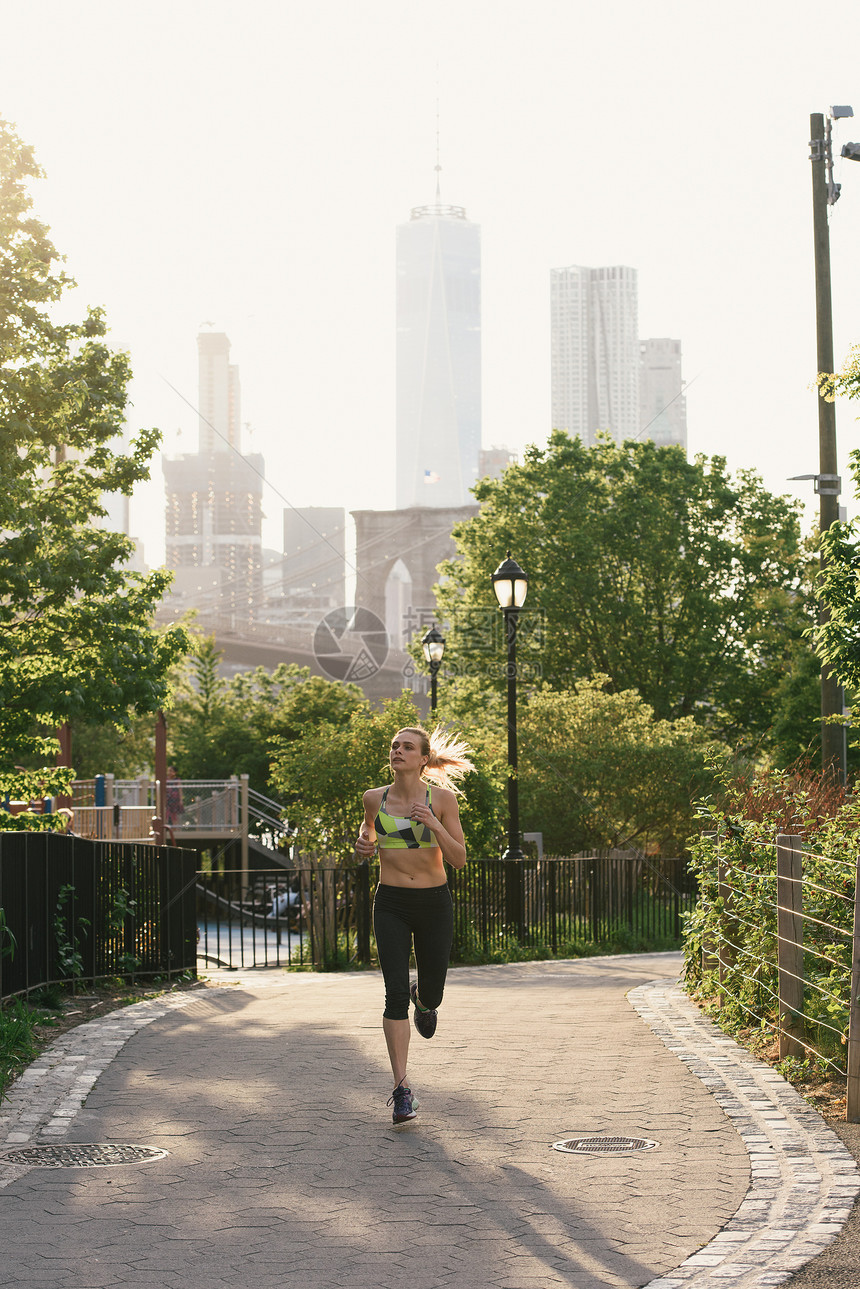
448,757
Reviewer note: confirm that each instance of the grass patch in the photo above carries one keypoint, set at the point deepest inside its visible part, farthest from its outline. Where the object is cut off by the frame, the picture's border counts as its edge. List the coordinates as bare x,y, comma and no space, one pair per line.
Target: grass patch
471,950
19,1043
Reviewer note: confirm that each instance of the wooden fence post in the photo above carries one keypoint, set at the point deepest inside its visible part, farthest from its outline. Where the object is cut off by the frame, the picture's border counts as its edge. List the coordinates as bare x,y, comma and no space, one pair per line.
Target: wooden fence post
852,1114
789,923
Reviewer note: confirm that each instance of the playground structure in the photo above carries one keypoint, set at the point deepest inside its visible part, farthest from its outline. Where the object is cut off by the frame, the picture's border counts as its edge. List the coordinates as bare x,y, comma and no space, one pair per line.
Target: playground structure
200,814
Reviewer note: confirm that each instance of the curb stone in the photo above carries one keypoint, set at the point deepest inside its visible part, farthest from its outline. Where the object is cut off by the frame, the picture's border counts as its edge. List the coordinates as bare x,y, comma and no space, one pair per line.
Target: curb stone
44,1100
803,1179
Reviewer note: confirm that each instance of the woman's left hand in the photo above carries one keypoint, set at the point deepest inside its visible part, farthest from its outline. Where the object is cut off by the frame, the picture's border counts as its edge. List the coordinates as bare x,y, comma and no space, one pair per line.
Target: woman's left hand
422,814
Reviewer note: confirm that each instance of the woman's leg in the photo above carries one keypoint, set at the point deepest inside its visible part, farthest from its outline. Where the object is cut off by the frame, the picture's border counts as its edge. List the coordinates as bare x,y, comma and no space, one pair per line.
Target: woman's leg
433,936
394,945
397,1041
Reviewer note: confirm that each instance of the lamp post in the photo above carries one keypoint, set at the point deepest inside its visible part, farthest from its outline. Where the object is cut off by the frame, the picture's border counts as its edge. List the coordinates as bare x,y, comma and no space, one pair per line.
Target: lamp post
825,193
433,645
510,584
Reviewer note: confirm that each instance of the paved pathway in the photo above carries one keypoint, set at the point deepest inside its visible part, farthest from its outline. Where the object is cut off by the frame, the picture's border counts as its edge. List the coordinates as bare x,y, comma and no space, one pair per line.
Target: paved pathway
283,1167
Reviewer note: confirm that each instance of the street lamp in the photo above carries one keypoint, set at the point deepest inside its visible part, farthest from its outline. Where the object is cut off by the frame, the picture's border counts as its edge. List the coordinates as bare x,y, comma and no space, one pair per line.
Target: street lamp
825,193
433,645
510,584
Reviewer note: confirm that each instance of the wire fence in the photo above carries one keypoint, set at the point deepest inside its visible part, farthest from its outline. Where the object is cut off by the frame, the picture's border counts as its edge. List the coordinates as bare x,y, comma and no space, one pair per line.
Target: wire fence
779,947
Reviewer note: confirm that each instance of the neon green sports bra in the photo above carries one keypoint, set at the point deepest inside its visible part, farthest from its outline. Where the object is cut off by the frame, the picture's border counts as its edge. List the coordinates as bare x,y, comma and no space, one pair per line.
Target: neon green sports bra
402,834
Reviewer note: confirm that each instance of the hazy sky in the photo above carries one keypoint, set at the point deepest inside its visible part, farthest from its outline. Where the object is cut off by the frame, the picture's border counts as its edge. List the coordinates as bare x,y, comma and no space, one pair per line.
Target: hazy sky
247,165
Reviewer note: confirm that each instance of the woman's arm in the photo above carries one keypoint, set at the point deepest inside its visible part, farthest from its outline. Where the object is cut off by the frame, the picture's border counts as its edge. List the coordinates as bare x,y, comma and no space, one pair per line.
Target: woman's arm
443,820
366,842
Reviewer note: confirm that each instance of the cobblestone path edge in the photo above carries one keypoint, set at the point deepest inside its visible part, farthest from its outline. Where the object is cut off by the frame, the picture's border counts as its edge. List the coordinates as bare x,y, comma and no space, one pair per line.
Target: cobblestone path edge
803,1179
44,1100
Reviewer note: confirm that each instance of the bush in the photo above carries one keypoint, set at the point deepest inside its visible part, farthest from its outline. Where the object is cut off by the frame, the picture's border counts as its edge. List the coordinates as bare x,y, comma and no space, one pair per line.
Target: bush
740,831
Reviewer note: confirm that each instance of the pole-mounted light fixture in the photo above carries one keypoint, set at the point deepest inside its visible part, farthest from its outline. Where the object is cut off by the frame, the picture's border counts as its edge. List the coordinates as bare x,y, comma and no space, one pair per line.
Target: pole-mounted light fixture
510,584
826,485
433,644
821,149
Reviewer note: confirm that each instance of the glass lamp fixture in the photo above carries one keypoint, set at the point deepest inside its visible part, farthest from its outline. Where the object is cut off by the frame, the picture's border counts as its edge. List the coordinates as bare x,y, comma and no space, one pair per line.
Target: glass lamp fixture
433,645
510,584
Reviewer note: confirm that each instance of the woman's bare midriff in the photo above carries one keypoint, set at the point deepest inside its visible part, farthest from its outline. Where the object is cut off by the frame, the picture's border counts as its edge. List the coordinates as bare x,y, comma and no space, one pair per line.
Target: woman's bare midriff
415,868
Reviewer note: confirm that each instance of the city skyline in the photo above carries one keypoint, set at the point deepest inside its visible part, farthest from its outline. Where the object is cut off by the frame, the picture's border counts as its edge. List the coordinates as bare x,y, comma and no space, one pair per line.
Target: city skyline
269,209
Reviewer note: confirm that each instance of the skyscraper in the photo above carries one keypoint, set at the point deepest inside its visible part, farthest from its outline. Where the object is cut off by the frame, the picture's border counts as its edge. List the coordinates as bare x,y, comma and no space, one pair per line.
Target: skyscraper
214,499
438,437
218,393
595,351
662,404
314,563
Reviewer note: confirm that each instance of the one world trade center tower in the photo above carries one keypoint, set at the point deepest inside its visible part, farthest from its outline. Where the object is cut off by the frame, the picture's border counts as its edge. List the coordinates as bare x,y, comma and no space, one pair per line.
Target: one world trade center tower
438,356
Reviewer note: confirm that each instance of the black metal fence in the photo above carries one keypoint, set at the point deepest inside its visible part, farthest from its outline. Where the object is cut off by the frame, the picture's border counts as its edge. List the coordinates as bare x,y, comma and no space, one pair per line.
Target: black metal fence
559,904
74,909
315,914
320,914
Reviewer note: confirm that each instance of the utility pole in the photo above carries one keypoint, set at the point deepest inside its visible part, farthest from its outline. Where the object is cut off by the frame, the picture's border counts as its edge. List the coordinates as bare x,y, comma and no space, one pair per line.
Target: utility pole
824,194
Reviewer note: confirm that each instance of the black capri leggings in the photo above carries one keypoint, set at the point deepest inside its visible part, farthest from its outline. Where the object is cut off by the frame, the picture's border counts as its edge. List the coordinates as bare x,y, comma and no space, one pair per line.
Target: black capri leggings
403,917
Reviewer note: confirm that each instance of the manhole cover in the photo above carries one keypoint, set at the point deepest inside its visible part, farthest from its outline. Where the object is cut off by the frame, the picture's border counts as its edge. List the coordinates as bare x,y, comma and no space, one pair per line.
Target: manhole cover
103,1155
603,1145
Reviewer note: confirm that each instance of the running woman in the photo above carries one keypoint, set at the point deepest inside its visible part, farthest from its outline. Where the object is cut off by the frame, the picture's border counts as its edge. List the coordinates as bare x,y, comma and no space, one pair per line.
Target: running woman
416,823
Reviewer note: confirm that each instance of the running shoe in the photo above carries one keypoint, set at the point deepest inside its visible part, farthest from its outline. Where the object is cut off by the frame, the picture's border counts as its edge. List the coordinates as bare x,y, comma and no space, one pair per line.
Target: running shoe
404,1104
425,1020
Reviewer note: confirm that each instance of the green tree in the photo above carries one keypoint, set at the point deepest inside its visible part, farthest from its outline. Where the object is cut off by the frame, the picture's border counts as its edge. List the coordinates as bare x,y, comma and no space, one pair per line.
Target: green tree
845,383
125,751
796,729
219,727
664,574
837,637
598,769
327,769
75,634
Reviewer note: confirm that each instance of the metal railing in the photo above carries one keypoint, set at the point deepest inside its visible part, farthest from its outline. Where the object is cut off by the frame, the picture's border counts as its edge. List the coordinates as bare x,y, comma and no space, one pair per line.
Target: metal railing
78,910
210,806
313,915
268,817
117,823
126,809
320,912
